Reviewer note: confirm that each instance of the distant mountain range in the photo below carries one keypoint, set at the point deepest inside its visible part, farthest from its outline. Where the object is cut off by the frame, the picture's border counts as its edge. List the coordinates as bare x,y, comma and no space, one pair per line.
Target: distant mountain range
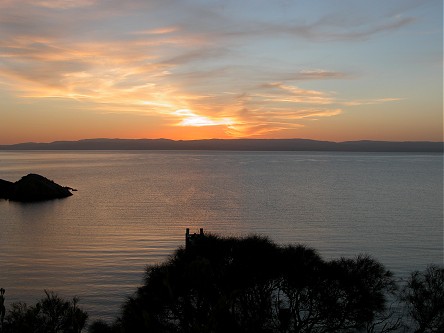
232,144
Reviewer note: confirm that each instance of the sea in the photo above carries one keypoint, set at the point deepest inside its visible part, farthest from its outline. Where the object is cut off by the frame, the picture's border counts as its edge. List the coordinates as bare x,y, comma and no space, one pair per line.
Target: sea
131,210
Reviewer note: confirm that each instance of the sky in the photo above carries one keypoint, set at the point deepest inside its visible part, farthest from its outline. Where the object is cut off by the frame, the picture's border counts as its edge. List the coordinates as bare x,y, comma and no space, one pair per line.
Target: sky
334,70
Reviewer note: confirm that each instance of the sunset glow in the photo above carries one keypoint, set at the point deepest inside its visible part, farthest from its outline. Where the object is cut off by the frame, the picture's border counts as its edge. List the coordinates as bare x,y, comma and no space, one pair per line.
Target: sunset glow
192,119
195,69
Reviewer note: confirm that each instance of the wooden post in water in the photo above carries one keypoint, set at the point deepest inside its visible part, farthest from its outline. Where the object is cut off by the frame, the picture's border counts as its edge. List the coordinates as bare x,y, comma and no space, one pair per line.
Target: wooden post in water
191,238
187,238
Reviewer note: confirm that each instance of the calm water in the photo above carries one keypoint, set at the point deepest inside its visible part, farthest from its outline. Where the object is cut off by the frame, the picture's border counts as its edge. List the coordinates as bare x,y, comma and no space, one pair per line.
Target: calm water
132,208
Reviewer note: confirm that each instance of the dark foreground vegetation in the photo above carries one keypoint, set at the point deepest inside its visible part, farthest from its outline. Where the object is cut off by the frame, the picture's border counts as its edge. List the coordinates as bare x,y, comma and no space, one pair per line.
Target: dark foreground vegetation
51,314
253,285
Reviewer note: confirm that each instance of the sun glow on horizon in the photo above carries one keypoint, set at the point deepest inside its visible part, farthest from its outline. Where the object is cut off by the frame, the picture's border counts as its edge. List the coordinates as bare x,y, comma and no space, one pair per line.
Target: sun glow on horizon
192,119
192,70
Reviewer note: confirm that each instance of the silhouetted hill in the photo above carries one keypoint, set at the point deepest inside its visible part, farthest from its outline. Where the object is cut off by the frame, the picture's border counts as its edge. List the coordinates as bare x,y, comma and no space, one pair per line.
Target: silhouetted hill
232,144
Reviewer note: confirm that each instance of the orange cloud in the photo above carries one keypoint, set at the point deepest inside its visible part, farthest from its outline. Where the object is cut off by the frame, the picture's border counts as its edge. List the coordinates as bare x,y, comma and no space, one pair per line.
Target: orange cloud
157,31
159,70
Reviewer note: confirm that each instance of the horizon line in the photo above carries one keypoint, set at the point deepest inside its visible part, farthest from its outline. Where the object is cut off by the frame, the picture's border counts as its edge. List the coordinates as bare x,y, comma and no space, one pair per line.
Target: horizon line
232,145
218,139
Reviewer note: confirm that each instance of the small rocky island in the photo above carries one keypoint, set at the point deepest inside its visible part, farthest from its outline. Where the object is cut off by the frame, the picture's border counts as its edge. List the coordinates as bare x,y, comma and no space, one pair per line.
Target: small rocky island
33,187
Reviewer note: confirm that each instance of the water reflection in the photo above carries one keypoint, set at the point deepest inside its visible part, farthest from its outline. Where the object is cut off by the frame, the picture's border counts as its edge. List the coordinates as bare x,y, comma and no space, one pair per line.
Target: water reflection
132,208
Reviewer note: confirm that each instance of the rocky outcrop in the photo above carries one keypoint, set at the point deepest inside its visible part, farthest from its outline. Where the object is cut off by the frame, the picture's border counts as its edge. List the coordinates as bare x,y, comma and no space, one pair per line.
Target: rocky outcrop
33,187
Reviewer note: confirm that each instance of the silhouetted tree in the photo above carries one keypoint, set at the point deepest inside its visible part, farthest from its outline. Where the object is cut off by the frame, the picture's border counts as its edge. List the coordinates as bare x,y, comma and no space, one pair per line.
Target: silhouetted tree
424,295
51,314
298,291
319,296
253,285
215,286
99,326
357,292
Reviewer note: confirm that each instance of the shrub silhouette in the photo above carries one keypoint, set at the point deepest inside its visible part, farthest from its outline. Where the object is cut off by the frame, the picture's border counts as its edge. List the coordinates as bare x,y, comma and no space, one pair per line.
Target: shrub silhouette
51,314
253,285
100,326
424,295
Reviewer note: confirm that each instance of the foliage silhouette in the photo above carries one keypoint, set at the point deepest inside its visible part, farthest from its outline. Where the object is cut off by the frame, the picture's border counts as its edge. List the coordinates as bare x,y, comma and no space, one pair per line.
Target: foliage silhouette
100,326
2,306
51,314
253,285
424,294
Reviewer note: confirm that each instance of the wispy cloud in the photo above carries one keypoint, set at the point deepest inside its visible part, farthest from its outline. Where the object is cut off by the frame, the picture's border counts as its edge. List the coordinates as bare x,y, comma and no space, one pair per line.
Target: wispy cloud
63,4
327,29
123,78
182,61
347,21
156,31
370,101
